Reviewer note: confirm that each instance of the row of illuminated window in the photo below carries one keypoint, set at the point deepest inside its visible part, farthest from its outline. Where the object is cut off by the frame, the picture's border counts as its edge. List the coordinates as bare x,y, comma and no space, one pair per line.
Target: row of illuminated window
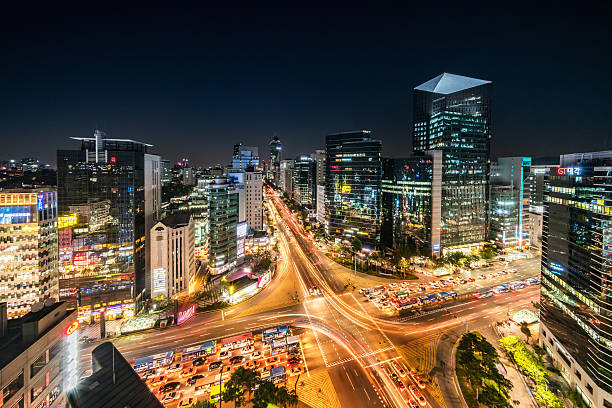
596,208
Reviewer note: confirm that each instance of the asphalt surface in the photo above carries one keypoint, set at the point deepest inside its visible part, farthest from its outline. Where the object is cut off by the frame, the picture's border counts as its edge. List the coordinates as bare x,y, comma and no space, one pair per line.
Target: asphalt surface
340,332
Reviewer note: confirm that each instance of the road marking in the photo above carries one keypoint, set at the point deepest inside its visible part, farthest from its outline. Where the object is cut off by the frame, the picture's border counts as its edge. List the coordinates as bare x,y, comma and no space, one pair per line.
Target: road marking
381,362
304,357
349,378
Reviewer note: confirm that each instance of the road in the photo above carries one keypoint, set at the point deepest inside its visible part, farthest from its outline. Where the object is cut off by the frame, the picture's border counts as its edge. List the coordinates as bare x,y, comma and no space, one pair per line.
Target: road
348,347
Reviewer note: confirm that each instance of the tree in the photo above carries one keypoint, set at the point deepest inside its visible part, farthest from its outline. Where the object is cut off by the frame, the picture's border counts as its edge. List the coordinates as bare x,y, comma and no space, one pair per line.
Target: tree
356,244
487,253
264,395
285,398
525,330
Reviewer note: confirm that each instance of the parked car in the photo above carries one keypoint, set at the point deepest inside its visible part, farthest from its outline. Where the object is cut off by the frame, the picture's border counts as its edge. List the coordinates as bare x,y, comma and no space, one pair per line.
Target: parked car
199,361
192,380
171,386
214,365
224,354
237,360
186,402
171,396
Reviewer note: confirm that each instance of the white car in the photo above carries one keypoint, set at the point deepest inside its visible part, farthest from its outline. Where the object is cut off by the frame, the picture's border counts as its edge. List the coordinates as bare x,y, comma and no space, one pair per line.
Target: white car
224,354
256,355
247,349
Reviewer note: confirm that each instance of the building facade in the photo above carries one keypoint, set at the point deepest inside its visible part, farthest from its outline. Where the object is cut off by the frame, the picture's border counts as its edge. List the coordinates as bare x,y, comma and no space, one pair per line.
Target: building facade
303,180
124,173
509,202
537,176
411,202
39,356
352,187
253,186
28,248
286,177
172,255
576,322
276,156
223,220
452,113
245,156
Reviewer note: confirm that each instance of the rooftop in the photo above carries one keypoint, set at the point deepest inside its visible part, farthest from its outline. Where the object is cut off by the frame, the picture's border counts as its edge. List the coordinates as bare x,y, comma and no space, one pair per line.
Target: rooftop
113,383
450,83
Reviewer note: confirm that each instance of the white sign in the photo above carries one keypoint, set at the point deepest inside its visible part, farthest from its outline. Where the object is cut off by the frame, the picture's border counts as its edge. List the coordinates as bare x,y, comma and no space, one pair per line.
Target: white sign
159,281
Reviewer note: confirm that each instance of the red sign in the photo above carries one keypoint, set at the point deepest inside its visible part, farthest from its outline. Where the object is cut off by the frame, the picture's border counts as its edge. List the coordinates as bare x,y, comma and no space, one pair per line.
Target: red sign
113,159
71,328
571,171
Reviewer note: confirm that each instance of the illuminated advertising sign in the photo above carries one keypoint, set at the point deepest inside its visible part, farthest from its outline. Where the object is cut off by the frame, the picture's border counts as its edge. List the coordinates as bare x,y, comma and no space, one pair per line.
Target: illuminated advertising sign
71,328
80,260
263,280
159,281
66,221
186,314
569,171
40,202
240,248
241,230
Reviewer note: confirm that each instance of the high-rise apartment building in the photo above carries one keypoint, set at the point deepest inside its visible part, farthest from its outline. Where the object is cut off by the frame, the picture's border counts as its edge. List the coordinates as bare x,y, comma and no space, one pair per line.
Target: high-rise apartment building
303,180
411,202
223,219
276,150
172,255
28,249
576,316
452,113
122,172
509,202
352,186
253,188
318,157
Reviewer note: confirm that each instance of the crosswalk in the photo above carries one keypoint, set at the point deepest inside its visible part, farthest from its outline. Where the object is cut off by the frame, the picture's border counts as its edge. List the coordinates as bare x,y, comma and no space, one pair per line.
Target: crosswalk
318,391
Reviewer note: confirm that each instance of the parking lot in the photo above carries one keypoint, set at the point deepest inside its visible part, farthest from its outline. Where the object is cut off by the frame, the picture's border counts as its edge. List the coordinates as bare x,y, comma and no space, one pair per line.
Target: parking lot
179,378
397,296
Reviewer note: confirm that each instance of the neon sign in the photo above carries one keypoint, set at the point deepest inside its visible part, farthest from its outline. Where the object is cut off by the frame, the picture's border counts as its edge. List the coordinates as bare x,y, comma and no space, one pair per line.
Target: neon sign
570,171
185,315
71,328
113,159
40,202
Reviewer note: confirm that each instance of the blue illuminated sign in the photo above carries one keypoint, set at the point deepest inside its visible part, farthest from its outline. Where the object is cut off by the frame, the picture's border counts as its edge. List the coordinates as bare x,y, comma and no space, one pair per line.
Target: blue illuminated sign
41,204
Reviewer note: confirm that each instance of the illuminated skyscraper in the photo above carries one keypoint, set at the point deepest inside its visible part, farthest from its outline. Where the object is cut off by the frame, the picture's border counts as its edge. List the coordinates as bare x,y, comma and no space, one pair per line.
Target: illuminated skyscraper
122,173
452,113
304,180
28,248
576,301
352,186
276,149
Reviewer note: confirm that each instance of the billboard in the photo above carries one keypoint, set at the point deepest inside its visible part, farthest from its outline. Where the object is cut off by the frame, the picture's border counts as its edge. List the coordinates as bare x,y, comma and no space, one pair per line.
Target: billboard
159,281
242,229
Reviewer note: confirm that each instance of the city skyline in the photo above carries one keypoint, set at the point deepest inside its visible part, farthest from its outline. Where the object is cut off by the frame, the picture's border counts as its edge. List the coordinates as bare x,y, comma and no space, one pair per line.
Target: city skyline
218,75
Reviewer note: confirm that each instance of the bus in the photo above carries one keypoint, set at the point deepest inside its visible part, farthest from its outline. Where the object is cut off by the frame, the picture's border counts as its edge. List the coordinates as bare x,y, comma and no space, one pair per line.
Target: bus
237,342
204,349
278,346
517,285
532,281
502,289
278,374
215,392
274,333
154,361
293,343
448,295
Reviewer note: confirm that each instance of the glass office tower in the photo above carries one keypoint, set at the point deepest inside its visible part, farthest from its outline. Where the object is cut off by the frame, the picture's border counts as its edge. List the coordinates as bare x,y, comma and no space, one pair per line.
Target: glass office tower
123,174
276,150
509,202
410,202
352,186
304,180
452,113
576,301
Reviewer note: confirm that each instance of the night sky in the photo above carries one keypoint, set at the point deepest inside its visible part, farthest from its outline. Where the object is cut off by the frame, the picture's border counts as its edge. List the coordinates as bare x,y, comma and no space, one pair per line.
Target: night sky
193,82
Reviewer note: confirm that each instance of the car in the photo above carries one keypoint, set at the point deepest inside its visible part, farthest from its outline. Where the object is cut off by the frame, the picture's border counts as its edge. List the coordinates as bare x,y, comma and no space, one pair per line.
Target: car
393,376
471,280
487,294
199,361
171,386
463,281
256,355
173,368
86,340
187,372
170,397
272,360
393,285
237,360
413,403
193,379
186,402
400,385
224,354
399,369
158,380
295,370
214,365
247,349
294,361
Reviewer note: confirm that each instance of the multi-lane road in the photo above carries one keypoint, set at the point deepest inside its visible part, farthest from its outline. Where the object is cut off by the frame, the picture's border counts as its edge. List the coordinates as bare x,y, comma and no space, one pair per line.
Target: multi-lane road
348,346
